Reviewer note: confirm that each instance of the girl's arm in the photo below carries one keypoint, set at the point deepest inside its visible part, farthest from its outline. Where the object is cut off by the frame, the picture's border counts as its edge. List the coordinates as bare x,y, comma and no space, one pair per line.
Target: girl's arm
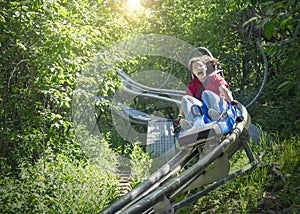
226,93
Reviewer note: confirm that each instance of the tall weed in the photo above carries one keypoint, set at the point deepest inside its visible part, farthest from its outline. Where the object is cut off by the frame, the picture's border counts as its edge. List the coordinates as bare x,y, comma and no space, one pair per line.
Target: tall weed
59,185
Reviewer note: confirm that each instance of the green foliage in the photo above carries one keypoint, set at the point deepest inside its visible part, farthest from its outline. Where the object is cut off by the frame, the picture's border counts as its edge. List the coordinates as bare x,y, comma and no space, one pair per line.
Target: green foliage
44,46
140,164
279,22
59,184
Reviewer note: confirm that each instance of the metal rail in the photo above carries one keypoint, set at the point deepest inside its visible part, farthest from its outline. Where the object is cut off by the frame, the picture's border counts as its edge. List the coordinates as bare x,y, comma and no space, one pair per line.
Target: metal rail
162,184
266,73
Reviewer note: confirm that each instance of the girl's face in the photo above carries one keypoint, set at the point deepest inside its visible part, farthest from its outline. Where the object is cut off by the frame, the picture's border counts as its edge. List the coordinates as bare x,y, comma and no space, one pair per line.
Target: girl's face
199,70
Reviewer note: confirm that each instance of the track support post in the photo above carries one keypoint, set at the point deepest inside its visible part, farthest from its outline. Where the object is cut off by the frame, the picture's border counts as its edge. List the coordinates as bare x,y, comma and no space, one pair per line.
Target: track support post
244,141
164,206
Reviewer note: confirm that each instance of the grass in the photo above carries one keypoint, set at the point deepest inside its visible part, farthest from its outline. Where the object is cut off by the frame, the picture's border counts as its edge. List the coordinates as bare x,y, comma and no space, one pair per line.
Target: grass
274,188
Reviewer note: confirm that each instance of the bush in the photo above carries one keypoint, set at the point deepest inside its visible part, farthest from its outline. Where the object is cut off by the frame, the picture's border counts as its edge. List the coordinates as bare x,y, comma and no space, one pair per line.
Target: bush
59,185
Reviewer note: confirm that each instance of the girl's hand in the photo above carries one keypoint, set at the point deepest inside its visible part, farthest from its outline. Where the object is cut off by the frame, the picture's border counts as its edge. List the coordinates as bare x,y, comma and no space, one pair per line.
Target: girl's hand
234,102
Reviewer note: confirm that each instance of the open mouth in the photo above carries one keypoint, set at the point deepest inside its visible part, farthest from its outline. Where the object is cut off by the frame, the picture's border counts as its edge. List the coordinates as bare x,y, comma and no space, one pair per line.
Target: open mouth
200,73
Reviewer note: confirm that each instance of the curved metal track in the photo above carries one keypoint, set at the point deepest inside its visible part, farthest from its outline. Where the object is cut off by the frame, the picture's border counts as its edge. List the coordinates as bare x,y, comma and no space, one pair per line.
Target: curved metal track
188,169
159,191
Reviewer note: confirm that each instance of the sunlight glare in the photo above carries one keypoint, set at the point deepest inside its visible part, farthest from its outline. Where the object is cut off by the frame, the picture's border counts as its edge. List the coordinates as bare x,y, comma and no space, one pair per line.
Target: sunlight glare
134,5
